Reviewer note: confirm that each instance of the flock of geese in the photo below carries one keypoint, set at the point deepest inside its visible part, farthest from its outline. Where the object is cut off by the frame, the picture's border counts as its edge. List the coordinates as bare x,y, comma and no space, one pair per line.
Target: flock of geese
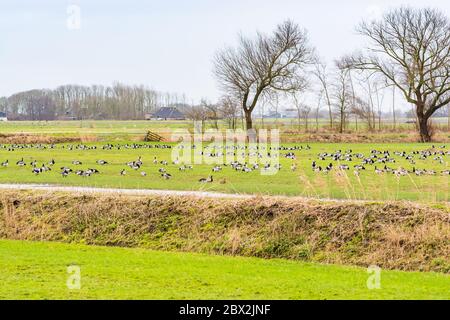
380,161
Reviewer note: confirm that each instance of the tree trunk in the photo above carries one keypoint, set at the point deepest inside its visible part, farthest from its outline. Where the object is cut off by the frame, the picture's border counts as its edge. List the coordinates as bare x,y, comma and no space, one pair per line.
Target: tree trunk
248,120
425,135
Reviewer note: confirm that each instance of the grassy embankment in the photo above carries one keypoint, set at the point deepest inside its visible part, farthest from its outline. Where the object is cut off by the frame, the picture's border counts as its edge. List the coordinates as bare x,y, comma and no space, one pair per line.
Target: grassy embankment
397,235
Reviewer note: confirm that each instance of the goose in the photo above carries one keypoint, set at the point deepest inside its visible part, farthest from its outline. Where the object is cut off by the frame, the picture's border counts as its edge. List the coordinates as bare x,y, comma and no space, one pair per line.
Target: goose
378,171
45,168
123,172
80,173
51,162
143,173
36,171
65,172
206,180
344,167
317,169
5,163
166,175
135,166
76,162
102,162
21,163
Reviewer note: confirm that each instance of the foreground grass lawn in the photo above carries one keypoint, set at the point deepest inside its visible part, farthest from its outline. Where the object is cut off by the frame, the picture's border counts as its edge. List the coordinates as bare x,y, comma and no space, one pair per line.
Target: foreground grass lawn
36,270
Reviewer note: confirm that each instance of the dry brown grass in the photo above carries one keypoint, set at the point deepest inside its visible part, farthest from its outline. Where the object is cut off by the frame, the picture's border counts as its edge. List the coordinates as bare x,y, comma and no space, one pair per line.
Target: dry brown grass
24,138
396,235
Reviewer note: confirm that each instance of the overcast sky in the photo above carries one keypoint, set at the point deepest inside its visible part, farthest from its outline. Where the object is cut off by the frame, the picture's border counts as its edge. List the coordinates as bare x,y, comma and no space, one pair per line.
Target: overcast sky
167,45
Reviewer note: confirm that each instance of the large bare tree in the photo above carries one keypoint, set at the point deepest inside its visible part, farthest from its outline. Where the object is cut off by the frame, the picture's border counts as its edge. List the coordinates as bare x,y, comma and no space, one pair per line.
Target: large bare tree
411,49
268,63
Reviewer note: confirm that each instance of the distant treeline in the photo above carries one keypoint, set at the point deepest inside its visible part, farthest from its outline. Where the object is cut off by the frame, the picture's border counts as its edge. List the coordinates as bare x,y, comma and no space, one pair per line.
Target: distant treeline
118,102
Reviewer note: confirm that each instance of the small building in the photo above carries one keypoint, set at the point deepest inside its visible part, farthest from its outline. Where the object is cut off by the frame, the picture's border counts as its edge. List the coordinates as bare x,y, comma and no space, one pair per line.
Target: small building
3,116
167,113
273,115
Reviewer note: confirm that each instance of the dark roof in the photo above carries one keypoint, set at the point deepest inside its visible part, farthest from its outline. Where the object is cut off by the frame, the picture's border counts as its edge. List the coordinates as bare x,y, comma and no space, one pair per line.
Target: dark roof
168,113
2,115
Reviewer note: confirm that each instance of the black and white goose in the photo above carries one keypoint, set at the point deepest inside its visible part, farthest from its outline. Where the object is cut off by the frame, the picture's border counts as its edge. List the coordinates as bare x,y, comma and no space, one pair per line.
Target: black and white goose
65,172
166,175
206,180
21,163
102,162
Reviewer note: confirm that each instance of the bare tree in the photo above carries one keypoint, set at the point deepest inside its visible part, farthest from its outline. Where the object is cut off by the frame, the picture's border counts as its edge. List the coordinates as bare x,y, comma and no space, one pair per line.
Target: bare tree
362,109
266,64
229,111
321,74
411,49
303,110
211,112
342,94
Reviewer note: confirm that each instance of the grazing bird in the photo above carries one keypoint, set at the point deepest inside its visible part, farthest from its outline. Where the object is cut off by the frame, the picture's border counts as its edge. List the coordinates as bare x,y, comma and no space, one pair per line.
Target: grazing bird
378,171
123,172
143,173
65,172
166,175
102,162
76,162
21,163
5,163
206,180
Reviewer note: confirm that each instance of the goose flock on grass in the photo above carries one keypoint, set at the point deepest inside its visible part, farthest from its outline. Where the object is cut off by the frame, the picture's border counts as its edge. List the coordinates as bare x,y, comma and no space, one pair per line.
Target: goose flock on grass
379,161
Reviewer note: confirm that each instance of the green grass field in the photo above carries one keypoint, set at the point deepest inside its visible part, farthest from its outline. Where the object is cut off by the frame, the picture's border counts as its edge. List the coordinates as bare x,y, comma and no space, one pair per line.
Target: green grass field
302,182
37,270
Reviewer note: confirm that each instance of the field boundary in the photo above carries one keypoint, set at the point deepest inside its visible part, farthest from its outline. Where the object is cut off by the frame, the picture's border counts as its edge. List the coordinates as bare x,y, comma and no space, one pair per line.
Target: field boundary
175,193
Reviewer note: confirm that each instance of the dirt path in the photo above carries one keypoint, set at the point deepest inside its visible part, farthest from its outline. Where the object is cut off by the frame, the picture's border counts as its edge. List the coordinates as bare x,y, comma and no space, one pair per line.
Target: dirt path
149,192
154,192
